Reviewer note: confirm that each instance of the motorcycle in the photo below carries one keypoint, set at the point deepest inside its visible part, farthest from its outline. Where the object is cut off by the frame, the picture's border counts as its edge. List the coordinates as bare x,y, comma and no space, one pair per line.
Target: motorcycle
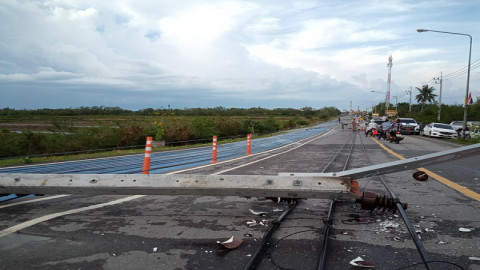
395,137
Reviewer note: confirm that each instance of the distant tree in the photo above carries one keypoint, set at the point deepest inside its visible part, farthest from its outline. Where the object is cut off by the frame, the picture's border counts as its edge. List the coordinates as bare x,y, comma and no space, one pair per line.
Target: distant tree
426,95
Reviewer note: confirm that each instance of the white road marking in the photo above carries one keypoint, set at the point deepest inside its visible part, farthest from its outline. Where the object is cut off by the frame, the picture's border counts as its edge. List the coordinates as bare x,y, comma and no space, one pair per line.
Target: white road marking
32,222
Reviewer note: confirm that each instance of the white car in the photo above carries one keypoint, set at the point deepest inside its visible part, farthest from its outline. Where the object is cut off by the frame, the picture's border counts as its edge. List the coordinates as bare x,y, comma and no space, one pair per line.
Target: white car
439,130
458,125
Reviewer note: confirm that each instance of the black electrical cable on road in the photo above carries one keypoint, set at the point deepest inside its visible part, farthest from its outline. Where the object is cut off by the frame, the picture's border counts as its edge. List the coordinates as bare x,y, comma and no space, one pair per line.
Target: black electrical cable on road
268,235
403,214
408,224
326,234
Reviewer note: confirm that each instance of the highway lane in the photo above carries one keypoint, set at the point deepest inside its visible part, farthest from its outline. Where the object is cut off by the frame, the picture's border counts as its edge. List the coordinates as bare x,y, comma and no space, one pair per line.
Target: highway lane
162,162
465,172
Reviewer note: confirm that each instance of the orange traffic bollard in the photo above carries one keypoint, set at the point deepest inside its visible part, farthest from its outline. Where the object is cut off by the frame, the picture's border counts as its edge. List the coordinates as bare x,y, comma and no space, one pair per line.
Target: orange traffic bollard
214,150
148,153
249,144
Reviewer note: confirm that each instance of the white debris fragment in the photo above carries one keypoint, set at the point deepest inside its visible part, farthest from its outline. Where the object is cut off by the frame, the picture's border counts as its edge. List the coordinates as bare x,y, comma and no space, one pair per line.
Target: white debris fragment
257,213
465,229
474,258
278,210
398,239
388,226
442,242
251,223
155,249
249,255
227,241
359,262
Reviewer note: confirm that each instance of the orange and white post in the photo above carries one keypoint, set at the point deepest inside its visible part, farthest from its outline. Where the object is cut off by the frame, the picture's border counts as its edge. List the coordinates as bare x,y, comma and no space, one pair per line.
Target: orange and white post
214,150
148,153
249,144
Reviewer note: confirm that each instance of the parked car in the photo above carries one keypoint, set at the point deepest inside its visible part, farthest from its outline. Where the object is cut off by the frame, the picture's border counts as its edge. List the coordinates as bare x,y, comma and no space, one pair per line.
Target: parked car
458,125
409,126
439,130
473,133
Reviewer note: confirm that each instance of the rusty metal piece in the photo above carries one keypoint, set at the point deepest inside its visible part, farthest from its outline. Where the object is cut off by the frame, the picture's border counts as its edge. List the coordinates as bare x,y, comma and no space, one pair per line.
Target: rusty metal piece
231,243
355,188
372,201
420,176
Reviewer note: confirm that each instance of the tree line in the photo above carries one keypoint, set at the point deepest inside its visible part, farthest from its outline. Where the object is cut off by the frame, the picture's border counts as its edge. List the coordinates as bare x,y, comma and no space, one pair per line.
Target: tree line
195,126
427,108
216,111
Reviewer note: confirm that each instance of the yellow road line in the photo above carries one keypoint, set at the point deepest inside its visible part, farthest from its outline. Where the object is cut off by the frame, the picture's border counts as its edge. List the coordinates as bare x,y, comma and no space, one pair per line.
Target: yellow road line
465,191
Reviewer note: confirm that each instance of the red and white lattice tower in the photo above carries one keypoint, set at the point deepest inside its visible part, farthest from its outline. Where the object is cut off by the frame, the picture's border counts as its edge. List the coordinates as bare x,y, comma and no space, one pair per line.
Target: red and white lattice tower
387,97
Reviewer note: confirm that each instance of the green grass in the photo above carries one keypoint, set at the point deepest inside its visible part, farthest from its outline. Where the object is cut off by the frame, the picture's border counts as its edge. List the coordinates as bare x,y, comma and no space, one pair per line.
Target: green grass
467,141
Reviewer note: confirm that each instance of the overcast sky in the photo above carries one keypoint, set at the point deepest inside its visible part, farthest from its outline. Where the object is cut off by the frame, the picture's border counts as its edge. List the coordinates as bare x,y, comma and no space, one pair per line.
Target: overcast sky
272,54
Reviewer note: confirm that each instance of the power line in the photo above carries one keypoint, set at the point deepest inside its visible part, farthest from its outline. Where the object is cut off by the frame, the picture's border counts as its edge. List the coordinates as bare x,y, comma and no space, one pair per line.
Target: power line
462,70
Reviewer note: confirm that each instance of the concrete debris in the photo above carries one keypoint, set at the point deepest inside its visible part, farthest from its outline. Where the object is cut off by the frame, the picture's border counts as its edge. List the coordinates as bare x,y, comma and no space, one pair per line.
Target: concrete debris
388,226
155,249
359,262
465,230
248,235
258,213
442,242
474,258
278,210
231,243
398,239
251,223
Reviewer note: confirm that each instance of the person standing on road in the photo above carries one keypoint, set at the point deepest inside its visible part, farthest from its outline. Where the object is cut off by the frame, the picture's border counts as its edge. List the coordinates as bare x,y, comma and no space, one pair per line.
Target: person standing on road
354,125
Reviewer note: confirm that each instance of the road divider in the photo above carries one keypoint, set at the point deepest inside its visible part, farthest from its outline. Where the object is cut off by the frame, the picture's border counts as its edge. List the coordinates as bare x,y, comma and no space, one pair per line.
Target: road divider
214,150
148,154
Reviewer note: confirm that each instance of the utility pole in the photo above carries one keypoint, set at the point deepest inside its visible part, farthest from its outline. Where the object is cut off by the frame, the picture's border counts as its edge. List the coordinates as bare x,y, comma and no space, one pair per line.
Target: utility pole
410,104
440,96
387,97
396,102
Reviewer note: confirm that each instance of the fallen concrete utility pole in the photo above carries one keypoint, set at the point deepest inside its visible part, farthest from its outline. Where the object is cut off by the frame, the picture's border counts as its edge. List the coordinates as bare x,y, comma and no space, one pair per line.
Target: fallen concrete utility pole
400,165
160,184
287,185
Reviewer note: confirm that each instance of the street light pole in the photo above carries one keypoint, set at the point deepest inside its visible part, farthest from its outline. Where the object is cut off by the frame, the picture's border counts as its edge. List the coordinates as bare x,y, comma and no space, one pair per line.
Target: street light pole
468,73
440,96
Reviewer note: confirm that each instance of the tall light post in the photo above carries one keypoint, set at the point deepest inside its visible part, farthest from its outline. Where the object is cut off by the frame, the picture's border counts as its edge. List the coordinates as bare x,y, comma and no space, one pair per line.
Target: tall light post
468,72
